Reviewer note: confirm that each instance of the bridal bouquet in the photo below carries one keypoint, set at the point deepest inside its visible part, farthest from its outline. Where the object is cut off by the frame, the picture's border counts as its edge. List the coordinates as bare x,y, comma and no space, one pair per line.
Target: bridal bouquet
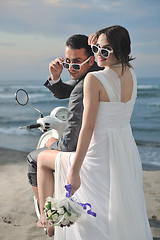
65,212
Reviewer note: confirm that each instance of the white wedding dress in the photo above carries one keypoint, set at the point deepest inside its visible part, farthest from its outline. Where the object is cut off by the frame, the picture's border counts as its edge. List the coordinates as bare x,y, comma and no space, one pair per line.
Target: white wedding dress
111,174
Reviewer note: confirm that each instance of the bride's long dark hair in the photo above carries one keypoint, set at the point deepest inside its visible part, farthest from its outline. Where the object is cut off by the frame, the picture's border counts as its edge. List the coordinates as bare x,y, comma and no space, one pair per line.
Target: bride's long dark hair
119,39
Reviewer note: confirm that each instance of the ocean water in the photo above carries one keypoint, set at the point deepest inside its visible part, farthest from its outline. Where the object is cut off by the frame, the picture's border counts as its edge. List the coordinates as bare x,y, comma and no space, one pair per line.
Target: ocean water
145,120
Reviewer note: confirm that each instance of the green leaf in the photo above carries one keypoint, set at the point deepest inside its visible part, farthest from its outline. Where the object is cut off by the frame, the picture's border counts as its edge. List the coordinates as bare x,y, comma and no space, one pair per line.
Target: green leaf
69,214
48,206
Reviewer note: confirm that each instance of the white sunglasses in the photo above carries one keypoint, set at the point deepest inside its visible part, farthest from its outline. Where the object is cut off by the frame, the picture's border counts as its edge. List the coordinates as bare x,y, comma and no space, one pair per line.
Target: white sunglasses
75,66
104,51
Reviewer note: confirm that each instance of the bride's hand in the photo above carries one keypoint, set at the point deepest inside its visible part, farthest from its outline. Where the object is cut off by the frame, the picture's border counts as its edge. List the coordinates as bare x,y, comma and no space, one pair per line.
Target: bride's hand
92,39
73,178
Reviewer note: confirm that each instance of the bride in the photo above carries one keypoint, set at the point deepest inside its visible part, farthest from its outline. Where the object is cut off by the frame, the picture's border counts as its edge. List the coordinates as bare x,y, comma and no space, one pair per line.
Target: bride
106,168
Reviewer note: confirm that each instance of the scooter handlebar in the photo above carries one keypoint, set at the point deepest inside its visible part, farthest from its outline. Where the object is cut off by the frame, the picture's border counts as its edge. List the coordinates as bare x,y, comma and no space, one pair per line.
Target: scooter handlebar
31,126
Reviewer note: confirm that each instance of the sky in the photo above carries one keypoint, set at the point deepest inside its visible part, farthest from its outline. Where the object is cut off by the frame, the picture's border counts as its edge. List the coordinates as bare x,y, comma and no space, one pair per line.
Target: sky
34,32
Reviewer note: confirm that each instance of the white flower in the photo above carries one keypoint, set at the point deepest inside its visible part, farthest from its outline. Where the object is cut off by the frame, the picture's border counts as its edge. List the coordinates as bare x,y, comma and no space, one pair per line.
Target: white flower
66,220
74,217
55,217
60,218
49,213
59,221
53,201
54,205
60,210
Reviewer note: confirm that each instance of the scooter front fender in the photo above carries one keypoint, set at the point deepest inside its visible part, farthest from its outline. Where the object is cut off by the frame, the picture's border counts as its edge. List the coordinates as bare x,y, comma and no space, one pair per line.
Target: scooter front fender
45,136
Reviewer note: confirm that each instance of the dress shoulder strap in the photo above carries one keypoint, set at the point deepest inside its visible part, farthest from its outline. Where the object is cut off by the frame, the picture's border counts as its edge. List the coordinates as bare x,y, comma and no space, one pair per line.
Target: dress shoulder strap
111,83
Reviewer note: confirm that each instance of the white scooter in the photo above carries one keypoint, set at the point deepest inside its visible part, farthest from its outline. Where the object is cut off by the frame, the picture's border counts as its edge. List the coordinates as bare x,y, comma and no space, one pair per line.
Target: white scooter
51,126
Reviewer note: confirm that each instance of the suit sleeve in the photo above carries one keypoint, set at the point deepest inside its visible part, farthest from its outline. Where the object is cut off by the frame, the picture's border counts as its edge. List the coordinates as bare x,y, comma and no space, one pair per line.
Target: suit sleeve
60,89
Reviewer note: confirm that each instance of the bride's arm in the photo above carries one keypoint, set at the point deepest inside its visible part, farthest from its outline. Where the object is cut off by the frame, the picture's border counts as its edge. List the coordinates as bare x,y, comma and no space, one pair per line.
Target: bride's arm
91,103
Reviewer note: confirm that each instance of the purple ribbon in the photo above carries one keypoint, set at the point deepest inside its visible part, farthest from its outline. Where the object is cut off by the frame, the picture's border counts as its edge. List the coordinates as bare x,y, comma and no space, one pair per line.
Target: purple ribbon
68,188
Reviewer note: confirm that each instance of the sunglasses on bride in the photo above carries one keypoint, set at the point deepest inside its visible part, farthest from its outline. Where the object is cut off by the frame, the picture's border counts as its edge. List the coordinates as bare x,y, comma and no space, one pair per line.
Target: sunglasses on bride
104,51
75,66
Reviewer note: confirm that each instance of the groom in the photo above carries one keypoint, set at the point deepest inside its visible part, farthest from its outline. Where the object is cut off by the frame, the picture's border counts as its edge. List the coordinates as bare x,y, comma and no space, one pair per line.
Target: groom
79,60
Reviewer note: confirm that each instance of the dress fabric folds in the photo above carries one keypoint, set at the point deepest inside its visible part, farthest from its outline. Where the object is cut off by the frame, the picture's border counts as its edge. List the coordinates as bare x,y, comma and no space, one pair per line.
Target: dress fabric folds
111,174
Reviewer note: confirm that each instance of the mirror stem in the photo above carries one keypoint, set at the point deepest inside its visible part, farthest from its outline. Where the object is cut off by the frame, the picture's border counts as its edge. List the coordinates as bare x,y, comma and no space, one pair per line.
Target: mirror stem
35,109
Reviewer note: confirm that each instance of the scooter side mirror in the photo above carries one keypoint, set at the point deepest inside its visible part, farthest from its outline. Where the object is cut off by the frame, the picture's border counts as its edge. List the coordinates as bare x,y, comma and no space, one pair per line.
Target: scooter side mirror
22,99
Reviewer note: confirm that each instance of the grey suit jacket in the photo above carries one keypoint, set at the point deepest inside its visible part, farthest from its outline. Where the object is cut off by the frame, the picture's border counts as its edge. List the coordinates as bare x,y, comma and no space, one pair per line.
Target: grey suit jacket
73,90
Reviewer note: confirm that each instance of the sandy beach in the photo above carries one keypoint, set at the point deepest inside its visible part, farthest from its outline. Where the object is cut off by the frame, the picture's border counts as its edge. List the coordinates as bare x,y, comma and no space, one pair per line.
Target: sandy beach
17,215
